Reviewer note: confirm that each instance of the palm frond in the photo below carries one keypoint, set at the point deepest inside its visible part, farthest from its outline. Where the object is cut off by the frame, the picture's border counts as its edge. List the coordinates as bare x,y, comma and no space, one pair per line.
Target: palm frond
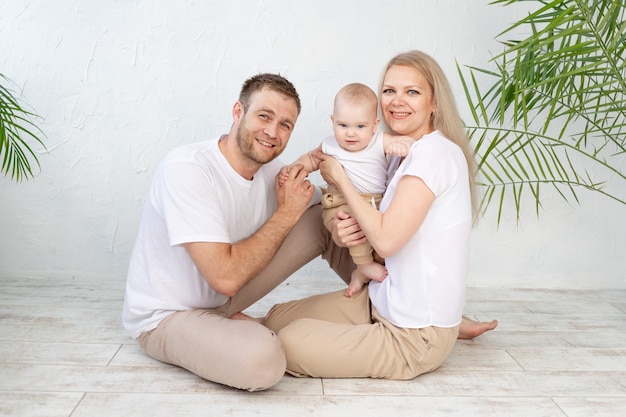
16,130
556,107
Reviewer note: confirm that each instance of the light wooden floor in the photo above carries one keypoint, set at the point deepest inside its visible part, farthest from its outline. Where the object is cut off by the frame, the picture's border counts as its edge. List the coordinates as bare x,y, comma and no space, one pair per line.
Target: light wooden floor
64,353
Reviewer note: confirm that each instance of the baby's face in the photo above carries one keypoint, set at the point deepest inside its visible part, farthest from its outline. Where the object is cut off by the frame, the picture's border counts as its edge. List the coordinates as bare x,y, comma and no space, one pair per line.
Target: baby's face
354,123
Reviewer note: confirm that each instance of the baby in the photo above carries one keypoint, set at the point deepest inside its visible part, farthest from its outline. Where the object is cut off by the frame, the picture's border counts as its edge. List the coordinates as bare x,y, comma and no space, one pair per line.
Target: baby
362,150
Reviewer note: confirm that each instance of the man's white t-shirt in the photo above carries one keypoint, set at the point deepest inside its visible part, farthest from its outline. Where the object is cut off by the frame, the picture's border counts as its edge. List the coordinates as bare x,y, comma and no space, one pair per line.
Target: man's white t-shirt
427,276
196,196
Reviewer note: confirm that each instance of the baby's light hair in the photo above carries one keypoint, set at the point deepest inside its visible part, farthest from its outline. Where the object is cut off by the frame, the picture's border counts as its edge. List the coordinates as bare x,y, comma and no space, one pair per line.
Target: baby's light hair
357,92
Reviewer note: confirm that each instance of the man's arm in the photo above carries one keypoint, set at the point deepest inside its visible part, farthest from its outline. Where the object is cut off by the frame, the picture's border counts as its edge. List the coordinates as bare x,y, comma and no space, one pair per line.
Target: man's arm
228,267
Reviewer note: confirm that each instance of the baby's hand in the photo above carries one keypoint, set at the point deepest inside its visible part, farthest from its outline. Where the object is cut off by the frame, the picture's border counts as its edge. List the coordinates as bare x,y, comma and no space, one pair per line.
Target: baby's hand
283,175
400,146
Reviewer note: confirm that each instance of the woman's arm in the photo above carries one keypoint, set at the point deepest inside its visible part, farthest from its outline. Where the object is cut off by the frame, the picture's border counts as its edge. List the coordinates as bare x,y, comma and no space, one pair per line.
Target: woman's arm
390,231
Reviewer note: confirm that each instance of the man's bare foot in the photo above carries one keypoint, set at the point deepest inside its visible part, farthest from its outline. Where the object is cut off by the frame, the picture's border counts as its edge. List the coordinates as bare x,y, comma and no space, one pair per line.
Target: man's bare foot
470,329
242,316
372,270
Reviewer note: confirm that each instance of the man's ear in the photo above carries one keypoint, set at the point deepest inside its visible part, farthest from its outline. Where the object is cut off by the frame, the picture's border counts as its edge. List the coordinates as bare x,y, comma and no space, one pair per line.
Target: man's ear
237,111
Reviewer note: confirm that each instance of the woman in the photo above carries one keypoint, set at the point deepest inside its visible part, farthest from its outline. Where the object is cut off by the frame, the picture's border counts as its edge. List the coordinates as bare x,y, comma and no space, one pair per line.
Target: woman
407,324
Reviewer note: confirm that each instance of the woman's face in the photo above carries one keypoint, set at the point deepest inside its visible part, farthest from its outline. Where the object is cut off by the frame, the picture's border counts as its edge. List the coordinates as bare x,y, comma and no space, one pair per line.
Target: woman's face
406,102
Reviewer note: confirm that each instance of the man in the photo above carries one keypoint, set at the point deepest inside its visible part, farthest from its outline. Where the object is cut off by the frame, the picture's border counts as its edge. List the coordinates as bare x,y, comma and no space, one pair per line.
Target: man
214,219
217,234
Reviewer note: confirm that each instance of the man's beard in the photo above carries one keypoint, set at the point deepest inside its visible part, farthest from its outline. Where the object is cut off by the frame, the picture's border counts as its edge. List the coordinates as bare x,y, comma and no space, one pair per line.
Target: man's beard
245,141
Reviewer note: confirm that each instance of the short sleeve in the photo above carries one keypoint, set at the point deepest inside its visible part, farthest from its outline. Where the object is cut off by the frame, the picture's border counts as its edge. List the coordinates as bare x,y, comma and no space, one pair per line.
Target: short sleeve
184,195
436,163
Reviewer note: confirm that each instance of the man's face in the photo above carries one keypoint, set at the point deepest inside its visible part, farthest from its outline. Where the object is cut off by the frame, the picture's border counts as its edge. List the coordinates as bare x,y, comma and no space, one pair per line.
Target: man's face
264,129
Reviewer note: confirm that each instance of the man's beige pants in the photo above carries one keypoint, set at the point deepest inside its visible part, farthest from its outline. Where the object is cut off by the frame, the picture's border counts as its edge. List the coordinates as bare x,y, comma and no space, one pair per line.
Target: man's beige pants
237,353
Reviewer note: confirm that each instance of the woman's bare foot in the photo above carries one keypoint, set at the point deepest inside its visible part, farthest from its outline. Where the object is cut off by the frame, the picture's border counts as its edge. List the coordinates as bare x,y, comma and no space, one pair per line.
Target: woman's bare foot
242,316
373,270
470,329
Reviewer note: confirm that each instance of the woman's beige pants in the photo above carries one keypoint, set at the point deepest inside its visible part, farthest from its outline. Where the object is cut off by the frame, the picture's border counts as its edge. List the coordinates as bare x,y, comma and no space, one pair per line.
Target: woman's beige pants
332,336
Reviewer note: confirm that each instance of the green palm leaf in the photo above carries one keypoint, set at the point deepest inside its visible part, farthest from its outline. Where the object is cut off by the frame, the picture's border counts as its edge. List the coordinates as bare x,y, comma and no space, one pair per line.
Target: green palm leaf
555,112
16,130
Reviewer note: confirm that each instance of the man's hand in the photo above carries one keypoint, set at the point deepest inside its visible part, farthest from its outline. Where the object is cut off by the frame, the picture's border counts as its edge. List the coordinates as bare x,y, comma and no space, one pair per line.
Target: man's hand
293,191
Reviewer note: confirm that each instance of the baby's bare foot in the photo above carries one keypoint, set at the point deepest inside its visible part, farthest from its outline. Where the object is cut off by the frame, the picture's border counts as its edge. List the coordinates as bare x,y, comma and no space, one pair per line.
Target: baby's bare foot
356,284
373,271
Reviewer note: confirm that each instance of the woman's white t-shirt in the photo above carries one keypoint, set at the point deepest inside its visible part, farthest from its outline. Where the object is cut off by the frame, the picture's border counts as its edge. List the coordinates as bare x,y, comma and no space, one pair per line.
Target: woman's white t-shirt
427,276
196,196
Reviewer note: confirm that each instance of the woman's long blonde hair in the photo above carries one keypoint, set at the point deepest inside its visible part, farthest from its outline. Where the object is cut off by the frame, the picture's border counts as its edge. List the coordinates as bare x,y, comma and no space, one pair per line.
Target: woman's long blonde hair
446,118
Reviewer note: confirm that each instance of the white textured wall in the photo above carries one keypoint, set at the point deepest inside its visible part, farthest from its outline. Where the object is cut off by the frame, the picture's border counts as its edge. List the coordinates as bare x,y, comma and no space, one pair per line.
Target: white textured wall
119,83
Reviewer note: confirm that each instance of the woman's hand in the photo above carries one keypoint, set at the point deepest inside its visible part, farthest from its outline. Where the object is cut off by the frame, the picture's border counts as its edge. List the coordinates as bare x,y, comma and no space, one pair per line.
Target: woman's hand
346,231
332,171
